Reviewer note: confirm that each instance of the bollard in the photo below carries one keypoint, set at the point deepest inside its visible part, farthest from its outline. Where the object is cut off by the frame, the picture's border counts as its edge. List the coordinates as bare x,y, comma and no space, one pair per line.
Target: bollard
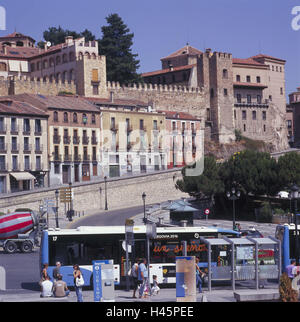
2,279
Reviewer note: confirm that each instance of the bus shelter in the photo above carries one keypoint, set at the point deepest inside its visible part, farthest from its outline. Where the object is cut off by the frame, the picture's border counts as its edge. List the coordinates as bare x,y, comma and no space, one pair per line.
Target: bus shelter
243,259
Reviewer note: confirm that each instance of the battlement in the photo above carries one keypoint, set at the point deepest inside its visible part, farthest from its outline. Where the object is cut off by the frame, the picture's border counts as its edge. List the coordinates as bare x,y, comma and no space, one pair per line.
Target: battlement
154,87
14,85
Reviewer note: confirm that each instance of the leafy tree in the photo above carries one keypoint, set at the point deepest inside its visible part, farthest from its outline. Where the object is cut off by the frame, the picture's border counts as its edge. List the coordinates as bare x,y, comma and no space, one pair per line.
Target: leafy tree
289,170
206,185
57,35
116,42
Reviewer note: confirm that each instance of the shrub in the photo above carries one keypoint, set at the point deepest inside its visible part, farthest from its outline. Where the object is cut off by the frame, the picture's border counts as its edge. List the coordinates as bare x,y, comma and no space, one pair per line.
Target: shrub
265,213
287,294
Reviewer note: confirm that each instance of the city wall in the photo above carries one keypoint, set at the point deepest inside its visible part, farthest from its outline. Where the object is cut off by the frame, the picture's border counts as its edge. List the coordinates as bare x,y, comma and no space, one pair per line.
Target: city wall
121,193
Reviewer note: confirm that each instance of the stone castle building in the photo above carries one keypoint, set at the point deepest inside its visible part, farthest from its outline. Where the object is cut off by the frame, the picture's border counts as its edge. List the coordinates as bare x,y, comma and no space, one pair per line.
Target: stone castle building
228,93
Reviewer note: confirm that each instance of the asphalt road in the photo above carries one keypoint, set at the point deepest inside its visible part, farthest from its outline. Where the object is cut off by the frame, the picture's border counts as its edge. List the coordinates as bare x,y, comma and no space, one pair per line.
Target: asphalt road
22,270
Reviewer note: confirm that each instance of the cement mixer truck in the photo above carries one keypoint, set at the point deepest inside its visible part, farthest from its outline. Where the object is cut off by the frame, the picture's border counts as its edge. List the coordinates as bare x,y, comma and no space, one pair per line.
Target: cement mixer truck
19,230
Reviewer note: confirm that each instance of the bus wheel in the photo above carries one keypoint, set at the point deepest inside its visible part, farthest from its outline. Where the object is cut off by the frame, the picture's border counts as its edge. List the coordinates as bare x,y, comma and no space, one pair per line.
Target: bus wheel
26,247
10,247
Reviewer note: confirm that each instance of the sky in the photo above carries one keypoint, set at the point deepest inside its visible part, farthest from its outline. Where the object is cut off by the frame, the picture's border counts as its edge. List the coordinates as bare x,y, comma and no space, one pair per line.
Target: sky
241,27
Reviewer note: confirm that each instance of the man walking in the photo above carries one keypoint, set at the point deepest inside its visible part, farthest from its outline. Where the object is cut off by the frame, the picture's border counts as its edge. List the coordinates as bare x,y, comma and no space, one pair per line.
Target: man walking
142,276
289,269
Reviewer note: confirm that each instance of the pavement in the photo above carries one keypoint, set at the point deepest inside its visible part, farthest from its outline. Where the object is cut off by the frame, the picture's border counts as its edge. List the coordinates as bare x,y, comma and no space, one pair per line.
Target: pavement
217,294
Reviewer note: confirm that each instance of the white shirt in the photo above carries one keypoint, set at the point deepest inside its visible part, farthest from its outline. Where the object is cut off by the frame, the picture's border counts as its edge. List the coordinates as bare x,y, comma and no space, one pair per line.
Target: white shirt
47,288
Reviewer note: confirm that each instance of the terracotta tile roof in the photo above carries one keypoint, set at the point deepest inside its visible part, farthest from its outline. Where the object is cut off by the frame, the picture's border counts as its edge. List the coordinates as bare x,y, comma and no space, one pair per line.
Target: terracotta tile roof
179,115
57,102
19,52
8,106
168,70
246,61
267,57
186,50
117,102
16,35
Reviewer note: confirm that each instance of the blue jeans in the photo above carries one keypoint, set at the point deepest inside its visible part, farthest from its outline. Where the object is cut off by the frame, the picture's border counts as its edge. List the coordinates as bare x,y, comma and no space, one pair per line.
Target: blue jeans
199,281
78,291
142,286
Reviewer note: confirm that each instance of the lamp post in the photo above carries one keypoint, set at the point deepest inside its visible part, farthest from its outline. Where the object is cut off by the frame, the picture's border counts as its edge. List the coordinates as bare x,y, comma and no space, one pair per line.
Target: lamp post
56,210
105,187
233,195
295,196
144,201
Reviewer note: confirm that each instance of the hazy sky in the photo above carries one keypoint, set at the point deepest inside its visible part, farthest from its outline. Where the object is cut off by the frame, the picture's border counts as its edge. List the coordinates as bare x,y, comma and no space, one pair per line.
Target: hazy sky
241,27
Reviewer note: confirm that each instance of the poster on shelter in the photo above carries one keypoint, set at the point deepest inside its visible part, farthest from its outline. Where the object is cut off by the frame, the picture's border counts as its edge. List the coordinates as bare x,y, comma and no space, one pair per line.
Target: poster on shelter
244,253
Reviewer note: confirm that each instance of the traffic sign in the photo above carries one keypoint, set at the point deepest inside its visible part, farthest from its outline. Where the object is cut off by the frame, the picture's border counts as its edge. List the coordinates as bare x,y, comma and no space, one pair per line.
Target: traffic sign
66,195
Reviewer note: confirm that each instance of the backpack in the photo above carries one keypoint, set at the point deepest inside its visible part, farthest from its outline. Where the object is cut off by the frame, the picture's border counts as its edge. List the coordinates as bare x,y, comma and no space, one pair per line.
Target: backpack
133,272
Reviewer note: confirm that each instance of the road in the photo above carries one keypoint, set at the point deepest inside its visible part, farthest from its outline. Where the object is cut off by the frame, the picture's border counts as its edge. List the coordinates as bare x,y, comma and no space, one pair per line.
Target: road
22,270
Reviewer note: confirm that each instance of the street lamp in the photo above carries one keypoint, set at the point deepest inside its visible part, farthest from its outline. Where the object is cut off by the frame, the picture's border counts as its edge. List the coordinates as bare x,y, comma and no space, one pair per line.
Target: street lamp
295,196
144,200
56,210
233,195
105,187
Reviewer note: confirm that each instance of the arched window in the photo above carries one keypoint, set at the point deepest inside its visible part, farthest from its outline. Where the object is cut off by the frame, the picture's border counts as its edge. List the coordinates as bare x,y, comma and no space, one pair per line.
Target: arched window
84,118
93,119
55,116
94,56
75,119
80,55
58,60
66,117
87,55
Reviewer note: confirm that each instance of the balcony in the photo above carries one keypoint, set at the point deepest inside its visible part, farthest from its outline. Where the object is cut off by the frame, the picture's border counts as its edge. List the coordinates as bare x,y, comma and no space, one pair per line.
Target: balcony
56,139
27,148
66,139
57,157
94,140
3,129
86,158
3,147
15,148
77,158
76,139
85,140
26,130
114,128
244,103
38,149
14,130
38,131
68,158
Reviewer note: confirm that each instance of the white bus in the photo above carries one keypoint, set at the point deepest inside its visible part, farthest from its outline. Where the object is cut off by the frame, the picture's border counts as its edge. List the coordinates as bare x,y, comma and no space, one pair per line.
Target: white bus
84,244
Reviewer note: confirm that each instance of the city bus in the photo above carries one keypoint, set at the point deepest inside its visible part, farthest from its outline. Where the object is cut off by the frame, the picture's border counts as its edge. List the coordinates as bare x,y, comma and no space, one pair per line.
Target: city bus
84,244
287,235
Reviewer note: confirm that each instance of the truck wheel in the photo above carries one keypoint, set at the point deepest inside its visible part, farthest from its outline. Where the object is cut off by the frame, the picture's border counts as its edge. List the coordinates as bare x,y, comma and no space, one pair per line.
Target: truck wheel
10,247
26,247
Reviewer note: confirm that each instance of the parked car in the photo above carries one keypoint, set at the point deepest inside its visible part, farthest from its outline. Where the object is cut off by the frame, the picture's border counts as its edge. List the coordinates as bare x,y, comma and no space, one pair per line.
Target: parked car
251,232
283,194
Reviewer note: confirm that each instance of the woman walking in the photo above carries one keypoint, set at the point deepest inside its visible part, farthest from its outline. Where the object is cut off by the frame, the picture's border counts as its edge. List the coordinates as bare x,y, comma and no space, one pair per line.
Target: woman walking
78,282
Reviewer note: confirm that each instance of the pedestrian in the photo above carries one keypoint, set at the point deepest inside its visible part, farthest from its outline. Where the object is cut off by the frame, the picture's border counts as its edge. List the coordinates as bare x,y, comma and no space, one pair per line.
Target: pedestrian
199,275
56,271
262,281
46,287
44,274
289,269
155,287
296,270
60,288
77,282
142,276
134,276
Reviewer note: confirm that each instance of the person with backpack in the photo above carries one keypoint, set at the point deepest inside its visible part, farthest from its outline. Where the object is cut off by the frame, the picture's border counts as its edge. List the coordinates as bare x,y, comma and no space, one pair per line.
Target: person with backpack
134,276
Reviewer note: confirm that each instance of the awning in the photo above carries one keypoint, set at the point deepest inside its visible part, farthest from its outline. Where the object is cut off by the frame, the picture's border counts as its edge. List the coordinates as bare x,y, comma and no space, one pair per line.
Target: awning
22,176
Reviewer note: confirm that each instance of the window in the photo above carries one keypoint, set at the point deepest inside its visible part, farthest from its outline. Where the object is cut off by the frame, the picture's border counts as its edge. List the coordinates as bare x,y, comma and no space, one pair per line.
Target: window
13,126
238,78
93,119
239,98
270,98
248,98
155,125
55,116
75,119
225,73
174,126
65,117
38,165
15,162
248,79
281,91
84,118
234,113
244,115
26,125
26,162
253,115
225,92
56,169
95,89
265,128
258,99
264,115
212,93
244,127
289,124
37,126
258,79
141,124
37,144
32,67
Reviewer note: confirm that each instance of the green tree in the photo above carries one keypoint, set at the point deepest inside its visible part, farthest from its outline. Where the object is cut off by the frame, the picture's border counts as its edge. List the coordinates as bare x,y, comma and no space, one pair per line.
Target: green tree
115,44
57,35
206,185
289,170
